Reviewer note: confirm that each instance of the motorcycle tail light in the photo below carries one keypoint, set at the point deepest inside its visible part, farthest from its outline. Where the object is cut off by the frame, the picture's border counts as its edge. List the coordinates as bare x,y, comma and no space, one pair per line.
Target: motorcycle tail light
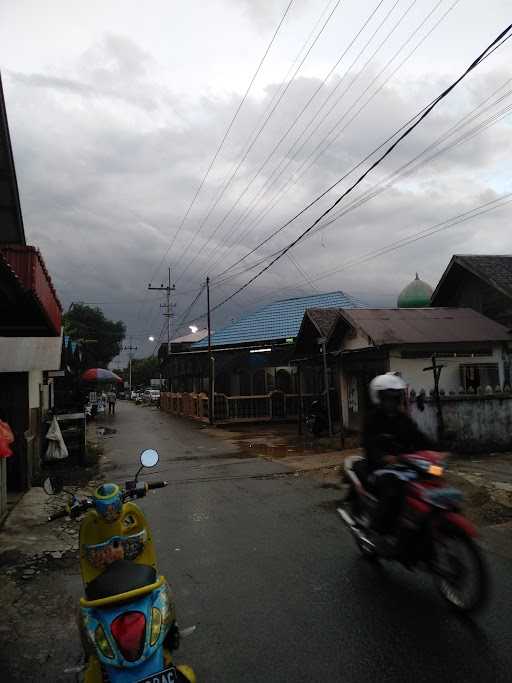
129,631
156,625
102,643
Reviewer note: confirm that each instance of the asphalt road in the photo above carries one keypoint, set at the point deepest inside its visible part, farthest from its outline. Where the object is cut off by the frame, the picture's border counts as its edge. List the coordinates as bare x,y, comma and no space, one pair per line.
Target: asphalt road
260,562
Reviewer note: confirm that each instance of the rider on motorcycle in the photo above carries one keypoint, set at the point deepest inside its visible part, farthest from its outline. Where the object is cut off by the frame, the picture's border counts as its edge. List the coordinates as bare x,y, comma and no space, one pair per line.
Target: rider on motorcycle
388,432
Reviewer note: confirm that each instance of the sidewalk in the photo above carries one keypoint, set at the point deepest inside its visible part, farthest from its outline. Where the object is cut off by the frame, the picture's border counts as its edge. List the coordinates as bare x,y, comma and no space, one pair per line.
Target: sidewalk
40,578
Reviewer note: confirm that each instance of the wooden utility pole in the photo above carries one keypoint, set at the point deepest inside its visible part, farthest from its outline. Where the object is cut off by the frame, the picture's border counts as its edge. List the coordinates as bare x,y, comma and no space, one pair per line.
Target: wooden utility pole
130,348
168,306
211,379
323,343
436,370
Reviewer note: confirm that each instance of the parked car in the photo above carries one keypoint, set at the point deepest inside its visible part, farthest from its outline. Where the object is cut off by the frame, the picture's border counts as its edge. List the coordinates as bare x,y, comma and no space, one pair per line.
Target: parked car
151,395
133,395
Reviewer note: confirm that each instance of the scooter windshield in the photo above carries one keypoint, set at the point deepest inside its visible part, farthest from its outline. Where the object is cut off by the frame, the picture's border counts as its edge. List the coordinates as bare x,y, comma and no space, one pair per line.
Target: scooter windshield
100,555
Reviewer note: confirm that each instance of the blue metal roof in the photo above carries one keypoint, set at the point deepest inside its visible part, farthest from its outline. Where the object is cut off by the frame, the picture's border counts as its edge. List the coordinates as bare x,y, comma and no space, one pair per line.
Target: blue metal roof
278,320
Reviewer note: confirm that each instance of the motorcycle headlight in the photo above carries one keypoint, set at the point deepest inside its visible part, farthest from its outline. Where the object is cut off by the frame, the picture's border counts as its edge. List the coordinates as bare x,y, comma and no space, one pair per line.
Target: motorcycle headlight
102,642
156,625
436,470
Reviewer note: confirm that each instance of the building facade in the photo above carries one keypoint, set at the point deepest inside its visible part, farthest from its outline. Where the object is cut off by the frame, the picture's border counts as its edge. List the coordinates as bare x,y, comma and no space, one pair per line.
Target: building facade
30,332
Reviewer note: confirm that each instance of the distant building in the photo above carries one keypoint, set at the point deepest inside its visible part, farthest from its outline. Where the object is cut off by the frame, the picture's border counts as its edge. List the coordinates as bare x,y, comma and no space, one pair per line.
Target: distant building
483,283
253,357
364,343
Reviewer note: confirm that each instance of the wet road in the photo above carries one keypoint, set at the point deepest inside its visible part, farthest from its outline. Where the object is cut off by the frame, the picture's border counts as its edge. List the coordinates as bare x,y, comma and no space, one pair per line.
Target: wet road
260,562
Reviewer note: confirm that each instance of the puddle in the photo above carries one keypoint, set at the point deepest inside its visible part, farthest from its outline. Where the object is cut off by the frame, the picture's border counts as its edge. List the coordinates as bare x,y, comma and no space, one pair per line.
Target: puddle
257,447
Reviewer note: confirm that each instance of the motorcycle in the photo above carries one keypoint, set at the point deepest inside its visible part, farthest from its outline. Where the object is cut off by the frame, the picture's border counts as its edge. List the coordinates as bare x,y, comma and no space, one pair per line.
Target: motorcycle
431,534
316,419
127,617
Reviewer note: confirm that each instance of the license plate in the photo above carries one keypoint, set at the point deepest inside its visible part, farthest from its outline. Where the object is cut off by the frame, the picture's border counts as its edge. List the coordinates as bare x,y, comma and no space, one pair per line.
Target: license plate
169,675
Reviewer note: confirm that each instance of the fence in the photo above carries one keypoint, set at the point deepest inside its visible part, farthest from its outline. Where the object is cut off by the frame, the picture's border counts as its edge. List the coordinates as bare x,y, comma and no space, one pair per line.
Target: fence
273,406
472,423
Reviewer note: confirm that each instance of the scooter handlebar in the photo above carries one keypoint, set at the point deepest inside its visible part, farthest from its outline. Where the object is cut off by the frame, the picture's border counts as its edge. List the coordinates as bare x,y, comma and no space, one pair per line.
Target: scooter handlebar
156,485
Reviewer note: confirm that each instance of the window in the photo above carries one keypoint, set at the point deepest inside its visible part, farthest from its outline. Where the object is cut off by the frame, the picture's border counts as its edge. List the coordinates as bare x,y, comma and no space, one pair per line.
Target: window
477,375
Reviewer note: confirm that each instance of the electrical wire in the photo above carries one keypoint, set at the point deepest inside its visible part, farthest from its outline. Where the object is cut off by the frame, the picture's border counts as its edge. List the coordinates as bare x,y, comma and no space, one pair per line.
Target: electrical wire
224,137
312,158
387,182
431,230
269,182
498,41
291,127
252,143
221,144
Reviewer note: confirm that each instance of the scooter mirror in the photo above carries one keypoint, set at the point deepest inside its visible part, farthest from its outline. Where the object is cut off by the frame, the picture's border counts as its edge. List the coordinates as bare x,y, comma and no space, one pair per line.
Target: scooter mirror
149,458
53,485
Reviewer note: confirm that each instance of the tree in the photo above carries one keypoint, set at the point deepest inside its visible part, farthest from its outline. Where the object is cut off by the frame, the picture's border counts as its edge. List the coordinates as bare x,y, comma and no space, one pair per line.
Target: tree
144,370
101,339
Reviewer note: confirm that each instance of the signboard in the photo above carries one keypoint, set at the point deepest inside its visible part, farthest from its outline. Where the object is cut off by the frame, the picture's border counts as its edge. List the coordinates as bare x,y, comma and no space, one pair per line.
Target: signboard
56,373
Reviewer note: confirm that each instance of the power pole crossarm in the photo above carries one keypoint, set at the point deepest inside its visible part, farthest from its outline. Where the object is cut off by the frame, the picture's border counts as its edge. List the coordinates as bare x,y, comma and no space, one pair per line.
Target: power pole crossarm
167,306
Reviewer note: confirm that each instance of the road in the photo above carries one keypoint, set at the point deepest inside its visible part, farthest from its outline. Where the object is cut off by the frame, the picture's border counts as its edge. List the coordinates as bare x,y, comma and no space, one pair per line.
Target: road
260,562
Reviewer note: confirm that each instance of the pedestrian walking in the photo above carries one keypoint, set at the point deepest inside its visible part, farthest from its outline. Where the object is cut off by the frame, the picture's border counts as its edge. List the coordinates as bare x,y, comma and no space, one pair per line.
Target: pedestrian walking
112,398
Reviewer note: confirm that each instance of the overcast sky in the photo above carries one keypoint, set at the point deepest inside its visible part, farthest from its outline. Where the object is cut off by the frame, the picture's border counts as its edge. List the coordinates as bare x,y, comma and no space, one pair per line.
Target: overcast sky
116,109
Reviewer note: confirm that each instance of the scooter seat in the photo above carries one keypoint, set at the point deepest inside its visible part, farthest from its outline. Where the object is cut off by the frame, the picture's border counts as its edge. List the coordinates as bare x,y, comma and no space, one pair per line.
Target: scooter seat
120,577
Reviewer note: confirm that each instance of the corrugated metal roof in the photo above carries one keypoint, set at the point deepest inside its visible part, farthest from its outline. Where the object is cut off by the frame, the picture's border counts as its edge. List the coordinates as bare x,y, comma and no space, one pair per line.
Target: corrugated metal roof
425,325
324,319
191,337
278,320
496,270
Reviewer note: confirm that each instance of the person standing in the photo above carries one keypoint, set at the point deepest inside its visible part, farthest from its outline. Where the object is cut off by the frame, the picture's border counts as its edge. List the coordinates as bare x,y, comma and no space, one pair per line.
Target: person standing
112,398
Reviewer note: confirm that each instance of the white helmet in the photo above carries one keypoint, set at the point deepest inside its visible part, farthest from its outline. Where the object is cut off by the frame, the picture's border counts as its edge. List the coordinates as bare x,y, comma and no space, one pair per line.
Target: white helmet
391,381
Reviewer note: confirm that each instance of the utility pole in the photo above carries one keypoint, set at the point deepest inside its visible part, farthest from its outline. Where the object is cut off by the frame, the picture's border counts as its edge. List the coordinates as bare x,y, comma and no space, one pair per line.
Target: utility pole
436,371
323,343
168,306
211,377
130,350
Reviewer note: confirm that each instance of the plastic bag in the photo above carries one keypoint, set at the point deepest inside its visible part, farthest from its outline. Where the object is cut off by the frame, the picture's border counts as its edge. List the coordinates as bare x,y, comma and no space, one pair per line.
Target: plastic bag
57,449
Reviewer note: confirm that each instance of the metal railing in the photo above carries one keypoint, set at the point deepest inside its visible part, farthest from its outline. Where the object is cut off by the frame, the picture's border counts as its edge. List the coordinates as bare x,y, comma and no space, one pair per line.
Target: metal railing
273,406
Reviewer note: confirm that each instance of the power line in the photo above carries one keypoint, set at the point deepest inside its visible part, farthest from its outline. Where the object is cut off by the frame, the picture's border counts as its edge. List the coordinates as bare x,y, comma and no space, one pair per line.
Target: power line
498,41
292,125
387,182
224,137
312,158
341,179
431,230
269,182
253,141
221,144
422,234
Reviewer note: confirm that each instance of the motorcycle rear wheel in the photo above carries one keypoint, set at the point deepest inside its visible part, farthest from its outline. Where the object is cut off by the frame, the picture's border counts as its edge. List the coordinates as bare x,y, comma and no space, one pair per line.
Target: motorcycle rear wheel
460,573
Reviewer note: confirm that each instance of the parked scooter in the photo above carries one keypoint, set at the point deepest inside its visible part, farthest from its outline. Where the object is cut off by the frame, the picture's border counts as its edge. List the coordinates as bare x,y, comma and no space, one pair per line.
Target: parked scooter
431,533
127,617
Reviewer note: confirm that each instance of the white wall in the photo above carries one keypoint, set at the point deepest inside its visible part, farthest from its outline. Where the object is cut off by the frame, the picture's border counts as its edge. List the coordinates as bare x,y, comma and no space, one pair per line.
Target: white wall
450,380
22,354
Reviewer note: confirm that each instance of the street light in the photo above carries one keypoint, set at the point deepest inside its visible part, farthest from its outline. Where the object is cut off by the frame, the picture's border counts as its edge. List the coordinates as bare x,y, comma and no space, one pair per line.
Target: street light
193,328
151,338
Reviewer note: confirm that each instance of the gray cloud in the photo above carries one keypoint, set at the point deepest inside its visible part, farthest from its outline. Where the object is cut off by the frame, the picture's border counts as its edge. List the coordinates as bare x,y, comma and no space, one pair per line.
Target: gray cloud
104,185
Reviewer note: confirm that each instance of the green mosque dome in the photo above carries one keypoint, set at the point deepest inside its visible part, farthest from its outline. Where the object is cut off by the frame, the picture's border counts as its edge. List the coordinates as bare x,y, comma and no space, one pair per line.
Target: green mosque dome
417,294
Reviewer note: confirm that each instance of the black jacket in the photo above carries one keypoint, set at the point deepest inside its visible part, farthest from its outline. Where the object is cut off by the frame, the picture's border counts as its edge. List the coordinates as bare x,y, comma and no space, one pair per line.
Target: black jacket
384,435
